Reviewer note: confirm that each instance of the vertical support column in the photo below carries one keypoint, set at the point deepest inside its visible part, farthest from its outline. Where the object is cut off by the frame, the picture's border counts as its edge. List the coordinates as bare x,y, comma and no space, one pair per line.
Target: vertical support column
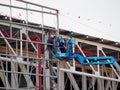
107,85
84,80
58,64
44,62
11,19
99,84
73,59
98,54
103,81
14,80
57,11
114,84
42,25
39,65
21,44
61,79
99,81
47,80
46,66
93,83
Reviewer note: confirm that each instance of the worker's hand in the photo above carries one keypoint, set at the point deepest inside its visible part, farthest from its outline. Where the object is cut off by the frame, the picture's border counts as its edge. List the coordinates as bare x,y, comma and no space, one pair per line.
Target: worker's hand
46,49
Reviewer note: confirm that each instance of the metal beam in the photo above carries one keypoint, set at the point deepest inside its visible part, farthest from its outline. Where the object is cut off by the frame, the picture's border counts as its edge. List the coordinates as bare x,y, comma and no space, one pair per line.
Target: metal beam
62,84
90,75
84,80
20,26
36,4
22,8
94,43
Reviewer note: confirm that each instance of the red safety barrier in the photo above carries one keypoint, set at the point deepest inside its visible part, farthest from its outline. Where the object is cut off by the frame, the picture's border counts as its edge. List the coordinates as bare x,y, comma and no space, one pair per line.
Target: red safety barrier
39,64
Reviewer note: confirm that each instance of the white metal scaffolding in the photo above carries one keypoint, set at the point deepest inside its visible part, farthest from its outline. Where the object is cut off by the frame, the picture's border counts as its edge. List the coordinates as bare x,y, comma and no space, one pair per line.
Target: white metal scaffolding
23,48
24,57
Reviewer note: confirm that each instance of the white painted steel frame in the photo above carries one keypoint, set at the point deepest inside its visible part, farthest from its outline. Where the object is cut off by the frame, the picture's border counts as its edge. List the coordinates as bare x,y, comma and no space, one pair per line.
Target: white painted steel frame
19,58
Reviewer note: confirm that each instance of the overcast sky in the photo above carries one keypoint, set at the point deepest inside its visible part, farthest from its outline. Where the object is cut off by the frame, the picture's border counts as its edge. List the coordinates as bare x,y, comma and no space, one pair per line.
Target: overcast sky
100,18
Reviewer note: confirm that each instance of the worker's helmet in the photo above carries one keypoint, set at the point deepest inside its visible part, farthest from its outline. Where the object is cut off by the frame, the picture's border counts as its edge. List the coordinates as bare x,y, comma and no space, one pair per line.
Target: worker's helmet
51,36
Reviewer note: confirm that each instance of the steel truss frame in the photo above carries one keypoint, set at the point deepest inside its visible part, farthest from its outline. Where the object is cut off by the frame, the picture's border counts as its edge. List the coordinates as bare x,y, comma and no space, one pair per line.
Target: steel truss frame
23,66
23,50
106,77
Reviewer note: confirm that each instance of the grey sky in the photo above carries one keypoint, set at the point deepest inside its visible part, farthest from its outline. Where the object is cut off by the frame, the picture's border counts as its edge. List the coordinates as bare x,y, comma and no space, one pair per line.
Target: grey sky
98,18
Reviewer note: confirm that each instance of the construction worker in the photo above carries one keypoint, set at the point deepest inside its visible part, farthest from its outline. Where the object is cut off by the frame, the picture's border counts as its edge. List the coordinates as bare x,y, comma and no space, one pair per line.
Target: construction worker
50,47
61,44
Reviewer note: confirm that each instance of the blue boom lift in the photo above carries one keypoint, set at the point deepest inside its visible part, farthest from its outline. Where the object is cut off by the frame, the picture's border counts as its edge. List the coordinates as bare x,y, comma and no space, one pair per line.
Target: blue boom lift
69,53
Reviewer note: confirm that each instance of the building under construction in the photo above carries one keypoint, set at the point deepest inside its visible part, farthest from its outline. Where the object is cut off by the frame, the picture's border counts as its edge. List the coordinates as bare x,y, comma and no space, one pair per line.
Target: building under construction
25,62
